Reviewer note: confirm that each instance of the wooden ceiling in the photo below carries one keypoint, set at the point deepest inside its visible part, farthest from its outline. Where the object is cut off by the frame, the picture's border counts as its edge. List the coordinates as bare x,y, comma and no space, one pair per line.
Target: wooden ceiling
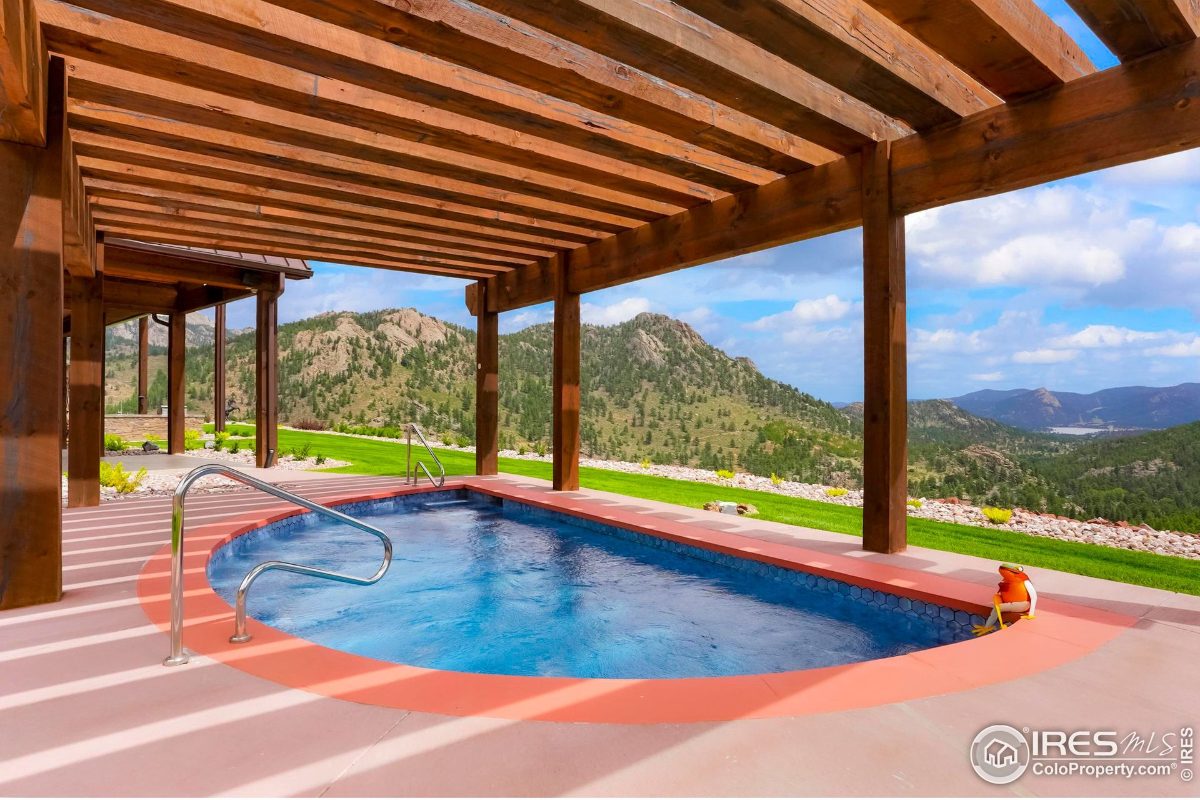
510,139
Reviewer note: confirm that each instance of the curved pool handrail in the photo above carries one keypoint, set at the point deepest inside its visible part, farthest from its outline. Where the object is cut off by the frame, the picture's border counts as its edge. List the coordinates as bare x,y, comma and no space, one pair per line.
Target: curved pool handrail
440,481
177,656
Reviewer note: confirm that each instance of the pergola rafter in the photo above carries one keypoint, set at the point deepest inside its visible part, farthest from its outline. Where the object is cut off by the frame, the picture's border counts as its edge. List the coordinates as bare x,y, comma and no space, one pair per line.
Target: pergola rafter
542,150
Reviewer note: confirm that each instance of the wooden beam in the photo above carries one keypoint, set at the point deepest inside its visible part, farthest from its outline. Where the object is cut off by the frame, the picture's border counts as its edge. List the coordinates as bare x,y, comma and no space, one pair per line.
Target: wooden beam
380,87
1011,46
233,243
665,40
500,227
106,196
31,362
487,390
145,267
885,363
152,298
176,382
143,368
122,210
247,186
857,49
1147,108
23,74
219,368
282,240
79,235
316,173
566,386
159,107
1134,28
513,51
85,444
266,374
821,200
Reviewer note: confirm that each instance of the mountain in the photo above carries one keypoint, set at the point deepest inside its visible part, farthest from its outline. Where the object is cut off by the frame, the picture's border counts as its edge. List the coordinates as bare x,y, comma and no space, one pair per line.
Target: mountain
1153,477
122,338
653,388
1127,407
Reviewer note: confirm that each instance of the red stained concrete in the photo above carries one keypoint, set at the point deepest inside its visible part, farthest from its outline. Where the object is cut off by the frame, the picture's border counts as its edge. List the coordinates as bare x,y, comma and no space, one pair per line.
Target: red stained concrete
1020,650
85,708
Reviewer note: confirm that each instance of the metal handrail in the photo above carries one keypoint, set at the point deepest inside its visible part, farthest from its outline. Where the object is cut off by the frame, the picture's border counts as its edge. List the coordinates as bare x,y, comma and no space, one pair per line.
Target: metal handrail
409,475
177,656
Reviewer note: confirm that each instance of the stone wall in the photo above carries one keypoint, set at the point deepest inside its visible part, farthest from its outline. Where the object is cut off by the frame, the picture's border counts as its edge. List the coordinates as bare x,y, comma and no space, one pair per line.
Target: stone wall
137,428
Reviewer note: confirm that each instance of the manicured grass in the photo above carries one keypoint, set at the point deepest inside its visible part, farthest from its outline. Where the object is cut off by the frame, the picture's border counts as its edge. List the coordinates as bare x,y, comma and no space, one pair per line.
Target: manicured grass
369,457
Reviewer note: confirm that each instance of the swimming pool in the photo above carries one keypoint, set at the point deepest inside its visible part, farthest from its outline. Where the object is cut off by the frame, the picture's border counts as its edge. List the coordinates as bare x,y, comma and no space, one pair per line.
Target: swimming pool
485,585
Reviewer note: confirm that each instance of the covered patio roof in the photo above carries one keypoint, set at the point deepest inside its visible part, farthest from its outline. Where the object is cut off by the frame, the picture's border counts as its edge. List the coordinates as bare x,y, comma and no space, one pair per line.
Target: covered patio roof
542,150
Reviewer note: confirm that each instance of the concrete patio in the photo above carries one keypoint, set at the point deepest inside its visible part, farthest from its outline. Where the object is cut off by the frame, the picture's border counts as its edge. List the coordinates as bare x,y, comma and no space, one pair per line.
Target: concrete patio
98,715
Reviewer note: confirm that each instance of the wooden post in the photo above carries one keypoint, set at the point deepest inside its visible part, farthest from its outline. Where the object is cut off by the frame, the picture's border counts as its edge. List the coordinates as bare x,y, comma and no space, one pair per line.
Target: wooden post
487,387
143,368
85,445
65,382
566,384
885,399
31,375
176,372
219,368
266,374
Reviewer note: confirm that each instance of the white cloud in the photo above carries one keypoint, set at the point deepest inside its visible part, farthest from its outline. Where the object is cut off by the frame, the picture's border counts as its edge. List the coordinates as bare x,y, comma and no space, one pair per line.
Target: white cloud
1184,349
1052,259
1044,355
987,377
806,312
1105,336
614,313
1178,168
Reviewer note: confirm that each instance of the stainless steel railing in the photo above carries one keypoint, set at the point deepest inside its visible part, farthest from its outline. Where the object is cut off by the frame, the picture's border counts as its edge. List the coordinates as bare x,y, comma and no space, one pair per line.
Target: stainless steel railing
177,655
410,476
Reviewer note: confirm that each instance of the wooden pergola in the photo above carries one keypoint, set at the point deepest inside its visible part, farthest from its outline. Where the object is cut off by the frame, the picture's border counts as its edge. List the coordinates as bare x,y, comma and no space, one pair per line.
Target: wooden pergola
541,150
135,280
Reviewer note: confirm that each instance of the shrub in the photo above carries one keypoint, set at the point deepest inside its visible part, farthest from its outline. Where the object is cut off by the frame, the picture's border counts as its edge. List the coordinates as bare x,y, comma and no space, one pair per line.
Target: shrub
521,450
540,449
219,440
997,516
320,459
115,476
310,424
836,491
776,480
645,463
193,440
235,445
114,442
725,474
303,450
915,503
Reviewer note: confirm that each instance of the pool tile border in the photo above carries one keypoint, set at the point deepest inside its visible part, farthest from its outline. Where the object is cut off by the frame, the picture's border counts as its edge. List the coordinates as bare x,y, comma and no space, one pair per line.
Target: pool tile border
1061,633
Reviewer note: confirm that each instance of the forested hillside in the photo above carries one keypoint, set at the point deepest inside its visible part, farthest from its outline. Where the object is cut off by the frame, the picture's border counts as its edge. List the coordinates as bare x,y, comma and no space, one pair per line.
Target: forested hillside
653,388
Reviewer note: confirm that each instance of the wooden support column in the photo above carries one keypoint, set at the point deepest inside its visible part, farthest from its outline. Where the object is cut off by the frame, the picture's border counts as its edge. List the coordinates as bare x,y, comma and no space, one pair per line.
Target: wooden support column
219,368
176,372
143,367
487,387
266,375
85,445
566,384
885,413
31,375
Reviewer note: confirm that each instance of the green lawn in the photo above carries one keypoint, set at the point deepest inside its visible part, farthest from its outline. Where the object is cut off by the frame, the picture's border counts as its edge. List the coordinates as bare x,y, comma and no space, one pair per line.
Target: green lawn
371,457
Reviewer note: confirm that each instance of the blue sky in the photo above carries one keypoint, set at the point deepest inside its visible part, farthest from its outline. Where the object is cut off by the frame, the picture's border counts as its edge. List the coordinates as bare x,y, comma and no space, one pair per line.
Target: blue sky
1076,285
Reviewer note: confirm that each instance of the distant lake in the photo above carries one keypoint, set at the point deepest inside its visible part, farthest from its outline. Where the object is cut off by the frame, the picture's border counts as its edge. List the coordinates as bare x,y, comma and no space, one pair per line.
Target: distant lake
1078,431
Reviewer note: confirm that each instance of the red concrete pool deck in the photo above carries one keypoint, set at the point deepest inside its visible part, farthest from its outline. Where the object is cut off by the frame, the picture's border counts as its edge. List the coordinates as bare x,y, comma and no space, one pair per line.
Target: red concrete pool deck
86,709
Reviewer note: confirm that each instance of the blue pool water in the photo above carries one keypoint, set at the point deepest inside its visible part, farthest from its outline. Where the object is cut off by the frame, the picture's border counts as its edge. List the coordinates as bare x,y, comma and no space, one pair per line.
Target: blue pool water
480,586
